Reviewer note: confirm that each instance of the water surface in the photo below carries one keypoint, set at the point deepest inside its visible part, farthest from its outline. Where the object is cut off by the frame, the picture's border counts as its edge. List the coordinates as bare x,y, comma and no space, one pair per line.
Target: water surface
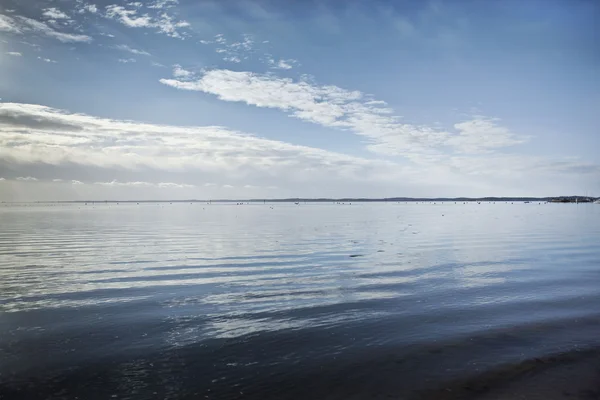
284,301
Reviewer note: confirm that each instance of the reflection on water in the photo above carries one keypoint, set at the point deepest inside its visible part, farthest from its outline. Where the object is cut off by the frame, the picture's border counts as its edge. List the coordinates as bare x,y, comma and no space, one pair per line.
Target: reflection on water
187,300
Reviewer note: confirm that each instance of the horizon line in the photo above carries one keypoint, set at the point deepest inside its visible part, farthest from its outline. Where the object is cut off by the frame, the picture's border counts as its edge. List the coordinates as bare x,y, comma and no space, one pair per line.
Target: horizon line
317,199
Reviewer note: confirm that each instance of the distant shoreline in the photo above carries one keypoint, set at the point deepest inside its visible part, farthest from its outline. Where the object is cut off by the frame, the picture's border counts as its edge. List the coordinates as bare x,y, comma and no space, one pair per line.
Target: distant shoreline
555,199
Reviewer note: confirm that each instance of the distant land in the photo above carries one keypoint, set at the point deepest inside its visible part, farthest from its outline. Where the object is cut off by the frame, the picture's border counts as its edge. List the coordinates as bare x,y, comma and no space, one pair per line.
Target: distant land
556,199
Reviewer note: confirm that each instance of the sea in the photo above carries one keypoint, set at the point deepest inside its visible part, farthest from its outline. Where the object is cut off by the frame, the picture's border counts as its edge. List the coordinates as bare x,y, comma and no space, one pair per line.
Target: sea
197,300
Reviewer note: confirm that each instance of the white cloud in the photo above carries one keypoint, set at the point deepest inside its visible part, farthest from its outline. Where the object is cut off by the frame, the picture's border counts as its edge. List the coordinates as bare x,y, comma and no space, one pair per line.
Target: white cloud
246,43
75,182
124,47
27,178
160,4
167,25
34,137
281,64
57,180
179,72
115,183
128,17
106,34
481,135
91,8
2,179
54,13
126,60
163,22
157,64
48,60
8,24
174,185
14,53
220,38
233,59
335,107
227,186
376,103
233,52
32,134
22,25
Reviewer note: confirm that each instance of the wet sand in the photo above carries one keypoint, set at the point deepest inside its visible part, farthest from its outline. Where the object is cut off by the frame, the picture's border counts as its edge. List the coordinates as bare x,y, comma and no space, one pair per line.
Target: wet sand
574,375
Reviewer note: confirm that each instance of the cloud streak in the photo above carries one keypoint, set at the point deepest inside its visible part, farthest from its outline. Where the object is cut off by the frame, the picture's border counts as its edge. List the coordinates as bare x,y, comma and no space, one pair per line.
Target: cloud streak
54,13
351,110
22,25
172,185
162,22
124,47
38,135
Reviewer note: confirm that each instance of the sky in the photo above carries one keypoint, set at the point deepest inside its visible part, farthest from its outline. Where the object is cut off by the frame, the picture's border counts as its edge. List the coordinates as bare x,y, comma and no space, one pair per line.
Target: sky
213,99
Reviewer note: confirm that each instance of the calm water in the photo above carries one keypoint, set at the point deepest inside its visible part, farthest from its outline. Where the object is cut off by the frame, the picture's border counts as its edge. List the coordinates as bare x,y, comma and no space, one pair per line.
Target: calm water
186,301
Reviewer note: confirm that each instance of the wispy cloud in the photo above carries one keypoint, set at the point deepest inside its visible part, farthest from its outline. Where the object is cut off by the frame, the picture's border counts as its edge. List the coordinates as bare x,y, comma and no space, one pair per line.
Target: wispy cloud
235,51
32,135
8,24
48,60
160,4
128,17
115,183
174,185
352,110
124,47
281,64
14,53
179,72
54,13
233,59
86,7
41,137
22,25
163,22
26,178
482,135
76,182
126,60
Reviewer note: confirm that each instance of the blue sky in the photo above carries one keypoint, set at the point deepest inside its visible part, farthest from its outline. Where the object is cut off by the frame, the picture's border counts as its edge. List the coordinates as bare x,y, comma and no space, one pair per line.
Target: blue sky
253,99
